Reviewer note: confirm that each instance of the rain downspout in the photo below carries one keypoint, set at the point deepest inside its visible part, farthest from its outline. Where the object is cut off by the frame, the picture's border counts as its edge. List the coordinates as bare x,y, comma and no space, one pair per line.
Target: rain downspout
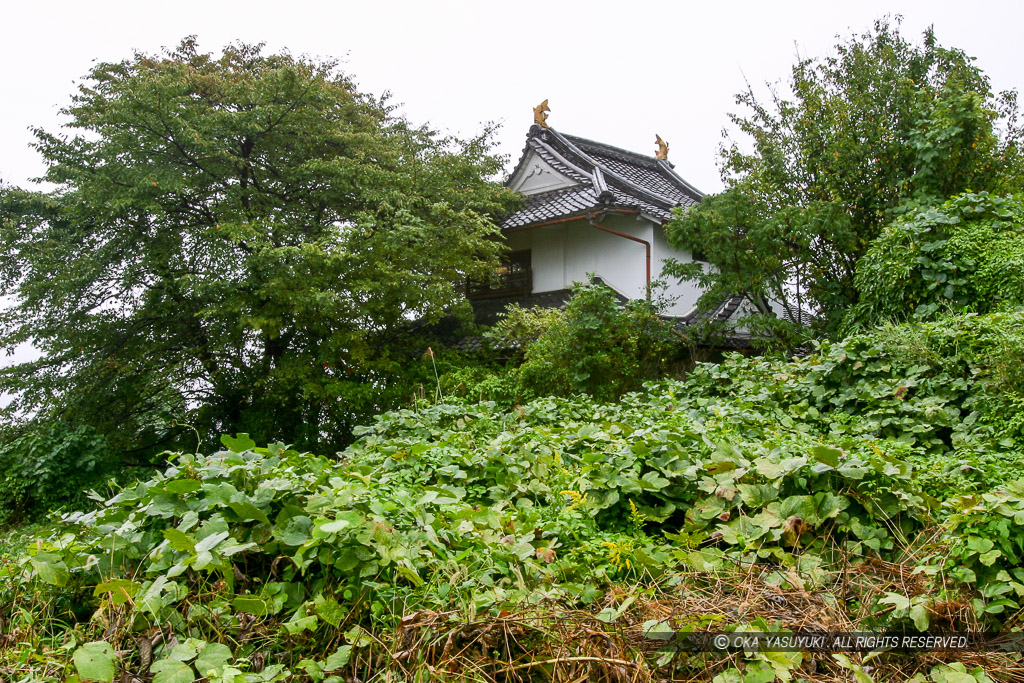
592,219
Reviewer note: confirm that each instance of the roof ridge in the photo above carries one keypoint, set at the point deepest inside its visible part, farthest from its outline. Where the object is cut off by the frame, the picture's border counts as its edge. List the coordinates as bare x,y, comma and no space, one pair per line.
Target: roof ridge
617,178
559,190
650,162
604,177
545,150
670,169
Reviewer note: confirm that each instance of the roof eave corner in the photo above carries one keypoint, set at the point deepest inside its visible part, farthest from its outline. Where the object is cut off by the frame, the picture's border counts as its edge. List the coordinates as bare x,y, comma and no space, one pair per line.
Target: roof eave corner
669,169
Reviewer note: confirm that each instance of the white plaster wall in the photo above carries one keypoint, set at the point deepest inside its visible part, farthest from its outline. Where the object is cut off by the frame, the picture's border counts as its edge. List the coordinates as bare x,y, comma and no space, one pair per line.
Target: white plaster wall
684,293
618,261
548,258
564,253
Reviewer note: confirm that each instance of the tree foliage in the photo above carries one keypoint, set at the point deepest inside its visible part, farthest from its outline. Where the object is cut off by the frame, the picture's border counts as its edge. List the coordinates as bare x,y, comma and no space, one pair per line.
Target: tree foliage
598,345
877,128
234,242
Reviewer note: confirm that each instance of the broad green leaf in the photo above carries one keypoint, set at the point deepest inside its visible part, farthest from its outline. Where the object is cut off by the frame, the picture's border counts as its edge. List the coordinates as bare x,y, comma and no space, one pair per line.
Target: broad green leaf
187,650
357,637
329,610
312,668
180,540
338,659
900,602
409,574
172,671
730,675
769,469
294,531
120,590
757,495
251,604
300,623
334,526
826,455
919,613
828,505
212,656
654,481
95,661
979,545
239,443
956,672
233,547
657,629
180,486
246,511
50,568
765,672
989,558
211,541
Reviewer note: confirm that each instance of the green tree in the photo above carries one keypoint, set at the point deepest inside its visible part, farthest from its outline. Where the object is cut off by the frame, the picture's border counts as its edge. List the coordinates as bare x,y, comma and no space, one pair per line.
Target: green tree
876,129
235,242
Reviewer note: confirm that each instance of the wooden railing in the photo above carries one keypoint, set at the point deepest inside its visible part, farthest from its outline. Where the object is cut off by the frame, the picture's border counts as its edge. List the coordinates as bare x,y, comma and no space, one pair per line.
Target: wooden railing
509,280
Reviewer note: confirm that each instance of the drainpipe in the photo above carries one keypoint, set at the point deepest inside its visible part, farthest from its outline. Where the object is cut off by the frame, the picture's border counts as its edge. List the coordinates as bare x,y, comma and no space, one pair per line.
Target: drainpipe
647,245
592,219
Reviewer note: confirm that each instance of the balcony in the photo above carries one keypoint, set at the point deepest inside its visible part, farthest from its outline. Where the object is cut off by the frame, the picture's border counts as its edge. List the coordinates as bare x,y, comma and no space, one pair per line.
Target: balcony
512,279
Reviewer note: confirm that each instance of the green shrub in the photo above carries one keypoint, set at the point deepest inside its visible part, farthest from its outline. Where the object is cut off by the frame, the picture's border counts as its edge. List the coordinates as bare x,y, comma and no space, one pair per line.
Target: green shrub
520,327
947,393
965,255
598,347
479,382
50,465
802,472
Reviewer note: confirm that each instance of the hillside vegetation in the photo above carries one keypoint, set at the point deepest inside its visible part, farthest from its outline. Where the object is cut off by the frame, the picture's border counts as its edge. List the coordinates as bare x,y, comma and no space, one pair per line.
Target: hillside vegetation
866,486
578,501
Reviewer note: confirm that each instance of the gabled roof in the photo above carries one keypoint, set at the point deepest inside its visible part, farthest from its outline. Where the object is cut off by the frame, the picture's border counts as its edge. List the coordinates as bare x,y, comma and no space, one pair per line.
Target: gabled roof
594,177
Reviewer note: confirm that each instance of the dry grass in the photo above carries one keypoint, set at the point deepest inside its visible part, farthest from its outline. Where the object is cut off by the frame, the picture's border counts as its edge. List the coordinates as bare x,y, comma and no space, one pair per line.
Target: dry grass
549,643
561,643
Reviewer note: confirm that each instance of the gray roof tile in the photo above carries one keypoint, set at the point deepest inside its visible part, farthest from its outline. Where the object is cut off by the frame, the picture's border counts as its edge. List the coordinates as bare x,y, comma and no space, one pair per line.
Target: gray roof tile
551,205
609,177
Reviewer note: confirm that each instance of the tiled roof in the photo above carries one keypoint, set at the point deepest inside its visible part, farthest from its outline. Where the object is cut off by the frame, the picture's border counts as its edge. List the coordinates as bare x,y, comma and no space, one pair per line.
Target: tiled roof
607,178
720,313
489,311
550,205
647,172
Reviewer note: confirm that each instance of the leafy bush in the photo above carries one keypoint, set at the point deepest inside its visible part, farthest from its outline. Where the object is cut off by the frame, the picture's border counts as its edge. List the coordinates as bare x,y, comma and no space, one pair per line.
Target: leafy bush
987,547
50,465
520,327
480,382
468,506
945,392
965,255
598,347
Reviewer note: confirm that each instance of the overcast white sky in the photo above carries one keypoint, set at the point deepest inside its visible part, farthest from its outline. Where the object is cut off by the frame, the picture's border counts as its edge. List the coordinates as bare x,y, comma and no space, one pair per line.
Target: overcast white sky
617,72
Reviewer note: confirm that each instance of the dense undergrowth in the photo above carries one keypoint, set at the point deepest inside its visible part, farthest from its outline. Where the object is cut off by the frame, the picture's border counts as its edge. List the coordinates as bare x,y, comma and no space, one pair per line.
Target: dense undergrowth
867,486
